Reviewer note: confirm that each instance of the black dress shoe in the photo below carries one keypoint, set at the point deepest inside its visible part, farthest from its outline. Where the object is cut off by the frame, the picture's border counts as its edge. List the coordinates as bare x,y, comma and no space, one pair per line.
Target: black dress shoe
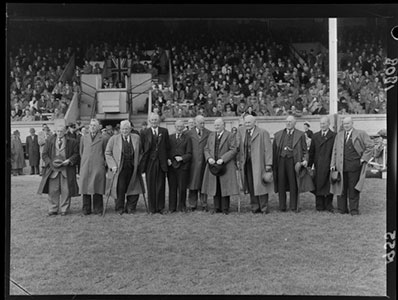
120,212
225,212
205,209
86,213
63,214
52,213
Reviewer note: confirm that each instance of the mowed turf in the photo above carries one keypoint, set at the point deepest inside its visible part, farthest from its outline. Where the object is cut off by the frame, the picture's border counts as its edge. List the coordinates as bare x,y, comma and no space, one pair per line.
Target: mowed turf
306,253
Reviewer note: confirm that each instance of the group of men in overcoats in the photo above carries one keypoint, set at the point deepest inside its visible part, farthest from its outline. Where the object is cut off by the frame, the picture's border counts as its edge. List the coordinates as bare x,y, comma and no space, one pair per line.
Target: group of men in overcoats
204,163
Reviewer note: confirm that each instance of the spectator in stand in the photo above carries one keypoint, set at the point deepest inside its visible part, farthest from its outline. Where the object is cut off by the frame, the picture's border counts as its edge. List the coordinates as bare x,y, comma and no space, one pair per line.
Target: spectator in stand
96,70
241,108
14,116
87,68
57,115
228,111
57,91
28,116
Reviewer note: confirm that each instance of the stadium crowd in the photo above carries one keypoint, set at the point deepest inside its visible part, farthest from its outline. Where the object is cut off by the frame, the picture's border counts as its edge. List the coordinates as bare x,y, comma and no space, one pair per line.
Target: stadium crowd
240,69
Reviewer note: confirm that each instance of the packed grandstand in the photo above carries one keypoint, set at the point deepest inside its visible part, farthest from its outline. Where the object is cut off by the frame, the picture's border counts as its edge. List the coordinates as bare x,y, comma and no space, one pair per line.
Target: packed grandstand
223,68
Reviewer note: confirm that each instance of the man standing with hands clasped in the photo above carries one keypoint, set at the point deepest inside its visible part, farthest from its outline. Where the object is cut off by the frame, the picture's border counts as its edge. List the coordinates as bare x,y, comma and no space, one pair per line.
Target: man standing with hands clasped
289,148
123,153
255,158
156,146
60,155
352,150
180,155
220,179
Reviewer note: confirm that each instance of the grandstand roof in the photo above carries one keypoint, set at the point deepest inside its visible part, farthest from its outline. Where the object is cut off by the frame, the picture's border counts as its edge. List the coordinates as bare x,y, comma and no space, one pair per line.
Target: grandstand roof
22,11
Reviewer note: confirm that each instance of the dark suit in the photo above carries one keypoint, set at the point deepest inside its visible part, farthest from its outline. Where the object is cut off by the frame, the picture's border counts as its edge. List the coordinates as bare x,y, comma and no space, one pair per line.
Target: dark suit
320,155
154,164
33,151
178,173
287,151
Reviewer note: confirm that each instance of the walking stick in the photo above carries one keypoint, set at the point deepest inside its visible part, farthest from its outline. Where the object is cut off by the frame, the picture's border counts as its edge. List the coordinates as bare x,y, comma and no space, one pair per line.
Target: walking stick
143,191
109,194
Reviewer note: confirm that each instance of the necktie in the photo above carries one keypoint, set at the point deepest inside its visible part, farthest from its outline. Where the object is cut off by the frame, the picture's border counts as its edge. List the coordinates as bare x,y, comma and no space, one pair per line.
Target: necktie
249,132
200,133
219,135
323,133
59,143
178,136
347,134
155,133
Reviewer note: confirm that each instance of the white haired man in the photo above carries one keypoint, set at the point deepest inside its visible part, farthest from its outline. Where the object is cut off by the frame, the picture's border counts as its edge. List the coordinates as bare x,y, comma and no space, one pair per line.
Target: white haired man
352,149
156,147
320,155
123,154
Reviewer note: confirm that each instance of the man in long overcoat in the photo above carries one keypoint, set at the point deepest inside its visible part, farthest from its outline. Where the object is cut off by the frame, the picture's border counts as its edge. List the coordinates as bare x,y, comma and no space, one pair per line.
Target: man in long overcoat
42,137
17,155
92,179
289,148
220,150
33,152
156,146
123,155
320,155
180,156
59,180
255,157
199,135
352,149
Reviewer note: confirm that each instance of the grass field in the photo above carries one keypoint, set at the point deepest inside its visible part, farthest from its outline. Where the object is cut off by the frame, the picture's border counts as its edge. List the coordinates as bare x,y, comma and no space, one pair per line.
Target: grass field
308,253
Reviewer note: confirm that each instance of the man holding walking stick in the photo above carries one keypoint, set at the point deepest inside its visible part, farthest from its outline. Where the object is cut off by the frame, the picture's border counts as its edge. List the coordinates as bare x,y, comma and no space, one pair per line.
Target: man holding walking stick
123,154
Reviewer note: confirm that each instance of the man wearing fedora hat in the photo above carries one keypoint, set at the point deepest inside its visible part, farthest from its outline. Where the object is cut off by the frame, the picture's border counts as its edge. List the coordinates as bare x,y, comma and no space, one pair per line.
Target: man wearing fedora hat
33,152
320,155
255,158
289,148
180,155
352,149
219,179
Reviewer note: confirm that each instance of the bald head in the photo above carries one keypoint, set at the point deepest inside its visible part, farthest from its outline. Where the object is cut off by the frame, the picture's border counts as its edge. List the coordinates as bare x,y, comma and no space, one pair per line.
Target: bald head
290,122
347,123
219,125
250,121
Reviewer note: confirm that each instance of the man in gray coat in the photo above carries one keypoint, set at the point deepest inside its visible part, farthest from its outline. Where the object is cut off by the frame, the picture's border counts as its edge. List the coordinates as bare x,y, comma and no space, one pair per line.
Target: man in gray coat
220,152
255,158
93,168
199,135
352,150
